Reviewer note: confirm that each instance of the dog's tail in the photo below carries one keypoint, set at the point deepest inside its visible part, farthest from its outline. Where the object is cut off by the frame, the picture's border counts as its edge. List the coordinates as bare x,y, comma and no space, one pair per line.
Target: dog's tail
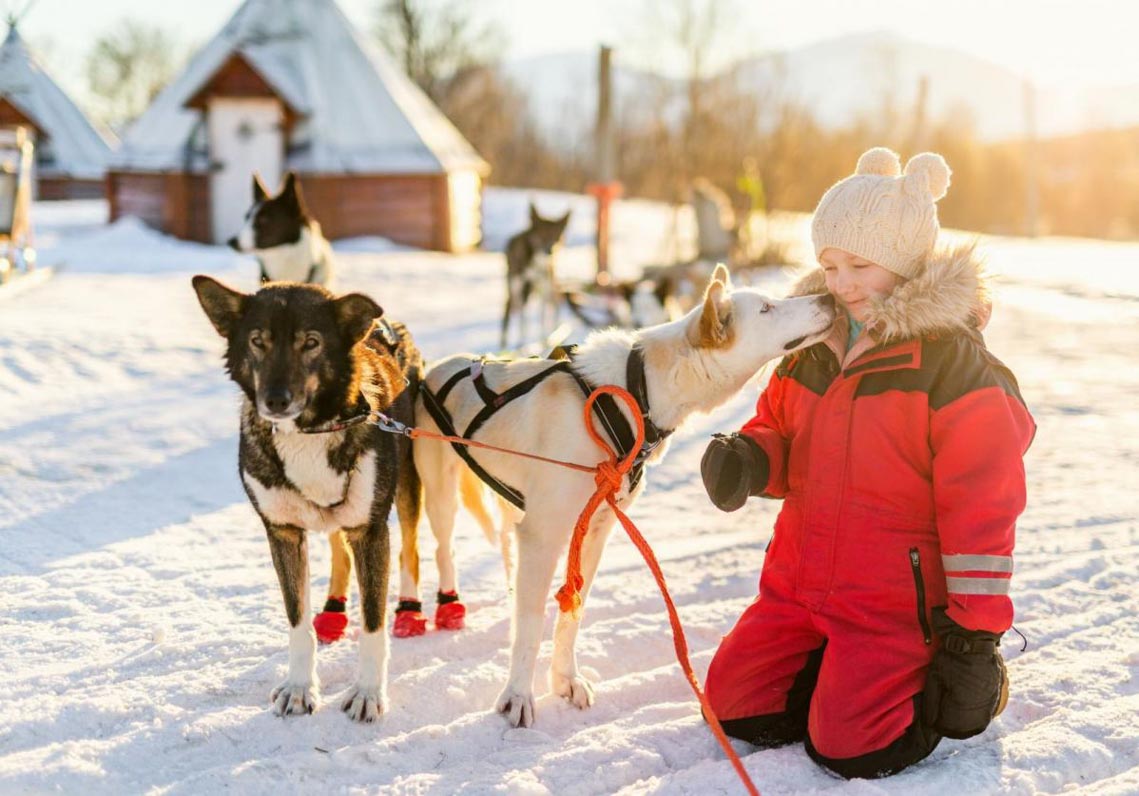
471,493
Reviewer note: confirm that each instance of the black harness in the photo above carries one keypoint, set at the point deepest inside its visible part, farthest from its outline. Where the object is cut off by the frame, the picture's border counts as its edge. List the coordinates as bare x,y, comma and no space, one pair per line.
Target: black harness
605,408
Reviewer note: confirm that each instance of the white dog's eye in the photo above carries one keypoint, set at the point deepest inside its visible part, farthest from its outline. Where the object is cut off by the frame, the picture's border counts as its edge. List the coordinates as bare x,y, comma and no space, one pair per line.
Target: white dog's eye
765,308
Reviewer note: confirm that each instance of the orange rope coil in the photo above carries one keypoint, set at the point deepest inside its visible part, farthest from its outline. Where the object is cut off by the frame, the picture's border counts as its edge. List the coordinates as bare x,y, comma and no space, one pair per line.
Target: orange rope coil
609,475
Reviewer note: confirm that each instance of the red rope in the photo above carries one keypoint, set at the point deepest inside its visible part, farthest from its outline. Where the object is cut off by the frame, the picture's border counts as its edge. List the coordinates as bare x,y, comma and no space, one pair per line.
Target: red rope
608,476
608,479
418,433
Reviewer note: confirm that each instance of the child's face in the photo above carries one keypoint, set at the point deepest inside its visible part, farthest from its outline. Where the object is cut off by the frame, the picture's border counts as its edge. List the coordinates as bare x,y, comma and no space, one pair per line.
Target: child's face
854,280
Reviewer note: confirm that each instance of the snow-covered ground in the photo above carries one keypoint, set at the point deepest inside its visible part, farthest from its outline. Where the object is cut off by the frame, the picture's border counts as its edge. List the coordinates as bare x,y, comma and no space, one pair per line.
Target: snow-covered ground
141,628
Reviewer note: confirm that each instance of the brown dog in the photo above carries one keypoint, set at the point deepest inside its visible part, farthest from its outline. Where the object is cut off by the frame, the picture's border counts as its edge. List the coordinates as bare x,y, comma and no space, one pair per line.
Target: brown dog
313,369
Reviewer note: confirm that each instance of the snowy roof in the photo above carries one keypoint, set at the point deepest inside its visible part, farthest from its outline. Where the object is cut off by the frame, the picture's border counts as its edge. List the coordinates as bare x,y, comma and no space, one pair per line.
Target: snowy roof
358,112
79,148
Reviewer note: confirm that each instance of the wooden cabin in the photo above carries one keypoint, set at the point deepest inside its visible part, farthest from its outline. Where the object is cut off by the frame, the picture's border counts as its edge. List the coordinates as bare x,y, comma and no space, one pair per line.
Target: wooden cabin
290,85
70,152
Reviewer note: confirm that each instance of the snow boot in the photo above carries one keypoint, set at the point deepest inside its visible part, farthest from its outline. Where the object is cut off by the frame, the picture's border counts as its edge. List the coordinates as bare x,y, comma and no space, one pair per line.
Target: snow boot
449,613
330,623
409,619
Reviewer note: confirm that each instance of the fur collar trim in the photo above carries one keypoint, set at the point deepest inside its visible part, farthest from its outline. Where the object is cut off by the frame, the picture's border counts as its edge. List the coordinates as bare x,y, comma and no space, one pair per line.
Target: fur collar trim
949,294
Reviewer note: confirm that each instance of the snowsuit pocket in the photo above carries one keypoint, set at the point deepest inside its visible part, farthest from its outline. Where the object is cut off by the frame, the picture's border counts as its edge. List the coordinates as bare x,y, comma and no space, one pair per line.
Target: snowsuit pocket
919,587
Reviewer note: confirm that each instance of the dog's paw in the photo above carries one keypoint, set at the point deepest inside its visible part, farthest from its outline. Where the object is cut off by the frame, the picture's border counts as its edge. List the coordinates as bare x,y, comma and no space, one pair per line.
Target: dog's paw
518,707
364,704
576,689
294,699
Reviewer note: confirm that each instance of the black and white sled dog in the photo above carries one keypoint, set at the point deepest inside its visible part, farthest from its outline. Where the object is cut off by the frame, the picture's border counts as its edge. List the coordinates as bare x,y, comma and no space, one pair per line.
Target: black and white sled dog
313,368
286,240
530,268
690,365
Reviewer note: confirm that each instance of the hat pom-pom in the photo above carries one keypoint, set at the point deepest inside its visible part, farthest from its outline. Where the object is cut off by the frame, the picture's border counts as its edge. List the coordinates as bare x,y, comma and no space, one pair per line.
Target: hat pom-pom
879,161
935,169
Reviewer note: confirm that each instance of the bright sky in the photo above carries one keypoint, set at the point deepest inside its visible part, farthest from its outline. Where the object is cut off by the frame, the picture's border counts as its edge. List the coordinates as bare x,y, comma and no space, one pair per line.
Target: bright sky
1089,42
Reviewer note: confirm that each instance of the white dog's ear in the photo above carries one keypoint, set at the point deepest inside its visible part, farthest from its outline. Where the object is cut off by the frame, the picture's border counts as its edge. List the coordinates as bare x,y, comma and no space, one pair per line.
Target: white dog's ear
713,327
722,274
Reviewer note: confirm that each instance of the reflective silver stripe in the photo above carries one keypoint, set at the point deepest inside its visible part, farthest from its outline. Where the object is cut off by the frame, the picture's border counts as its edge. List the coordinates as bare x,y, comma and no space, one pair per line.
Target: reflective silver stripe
967,563
978,585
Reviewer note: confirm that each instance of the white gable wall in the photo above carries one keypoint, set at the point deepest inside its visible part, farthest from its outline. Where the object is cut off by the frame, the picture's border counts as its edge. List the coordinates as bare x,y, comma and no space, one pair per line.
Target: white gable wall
244,137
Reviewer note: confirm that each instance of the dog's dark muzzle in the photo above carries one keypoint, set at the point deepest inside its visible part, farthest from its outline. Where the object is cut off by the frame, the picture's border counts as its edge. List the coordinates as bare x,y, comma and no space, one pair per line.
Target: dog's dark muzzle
278,401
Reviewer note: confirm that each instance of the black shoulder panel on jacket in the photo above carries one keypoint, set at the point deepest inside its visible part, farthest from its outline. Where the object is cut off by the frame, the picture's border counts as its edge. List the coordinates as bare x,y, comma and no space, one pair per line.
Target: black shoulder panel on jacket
963,365
951,367
902,380
815,368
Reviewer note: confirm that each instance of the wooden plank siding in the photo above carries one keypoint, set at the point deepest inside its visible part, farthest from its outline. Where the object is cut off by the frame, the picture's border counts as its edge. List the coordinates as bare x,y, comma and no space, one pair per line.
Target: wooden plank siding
410,209
54,188
174,203
403,208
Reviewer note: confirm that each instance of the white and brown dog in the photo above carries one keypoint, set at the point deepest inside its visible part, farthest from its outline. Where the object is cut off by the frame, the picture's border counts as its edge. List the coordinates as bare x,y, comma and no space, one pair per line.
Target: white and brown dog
689,365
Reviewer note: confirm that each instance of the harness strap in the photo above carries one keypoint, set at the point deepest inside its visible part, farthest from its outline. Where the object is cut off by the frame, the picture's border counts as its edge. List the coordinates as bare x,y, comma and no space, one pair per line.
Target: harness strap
442,419
488,395
639,389
449,385
499,400
616,426
605,409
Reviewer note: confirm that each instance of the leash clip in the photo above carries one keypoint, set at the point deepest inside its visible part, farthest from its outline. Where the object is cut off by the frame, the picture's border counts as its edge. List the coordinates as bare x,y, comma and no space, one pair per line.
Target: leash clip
391,425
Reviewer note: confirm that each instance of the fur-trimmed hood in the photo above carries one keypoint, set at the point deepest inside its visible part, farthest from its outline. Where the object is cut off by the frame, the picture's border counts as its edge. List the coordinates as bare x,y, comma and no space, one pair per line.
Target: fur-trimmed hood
949,294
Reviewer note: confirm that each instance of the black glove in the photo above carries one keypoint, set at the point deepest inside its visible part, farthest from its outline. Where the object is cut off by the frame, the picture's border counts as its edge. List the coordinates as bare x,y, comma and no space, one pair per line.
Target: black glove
733,467
967,684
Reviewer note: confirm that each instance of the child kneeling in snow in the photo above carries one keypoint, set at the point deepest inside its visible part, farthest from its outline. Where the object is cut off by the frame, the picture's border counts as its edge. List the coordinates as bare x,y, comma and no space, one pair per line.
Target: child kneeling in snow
897,447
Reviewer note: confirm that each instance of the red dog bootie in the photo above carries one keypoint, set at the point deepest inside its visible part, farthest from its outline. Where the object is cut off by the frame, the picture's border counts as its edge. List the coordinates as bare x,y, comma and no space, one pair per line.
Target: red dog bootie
409,619
330,623
450,613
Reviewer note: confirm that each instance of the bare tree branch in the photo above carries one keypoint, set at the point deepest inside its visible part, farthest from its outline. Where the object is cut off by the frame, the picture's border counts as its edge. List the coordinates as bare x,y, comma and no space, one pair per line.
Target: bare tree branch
128,66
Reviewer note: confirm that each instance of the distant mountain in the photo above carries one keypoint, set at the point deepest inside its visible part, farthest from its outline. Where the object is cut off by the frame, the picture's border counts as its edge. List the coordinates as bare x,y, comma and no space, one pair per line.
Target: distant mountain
837,80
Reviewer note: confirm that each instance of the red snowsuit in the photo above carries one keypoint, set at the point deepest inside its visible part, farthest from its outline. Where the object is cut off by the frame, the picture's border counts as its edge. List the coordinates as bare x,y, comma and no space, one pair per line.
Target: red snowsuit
901,469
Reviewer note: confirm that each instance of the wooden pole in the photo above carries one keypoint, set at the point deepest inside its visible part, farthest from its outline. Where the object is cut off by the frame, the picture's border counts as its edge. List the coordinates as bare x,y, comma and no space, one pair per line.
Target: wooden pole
605,154
605,188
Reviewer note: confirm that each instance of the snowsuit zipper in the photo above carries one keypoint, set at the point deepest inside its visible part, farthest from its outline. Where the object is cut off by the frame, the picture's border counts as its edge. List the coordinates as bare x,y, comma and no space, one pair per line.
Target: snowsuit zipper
919,585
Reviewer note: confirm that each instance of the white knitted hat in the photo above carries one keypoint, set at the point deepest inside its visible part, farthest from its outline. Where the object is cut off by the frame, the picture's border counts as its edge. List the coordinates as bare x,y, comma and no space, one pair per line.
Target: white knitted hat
882,214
